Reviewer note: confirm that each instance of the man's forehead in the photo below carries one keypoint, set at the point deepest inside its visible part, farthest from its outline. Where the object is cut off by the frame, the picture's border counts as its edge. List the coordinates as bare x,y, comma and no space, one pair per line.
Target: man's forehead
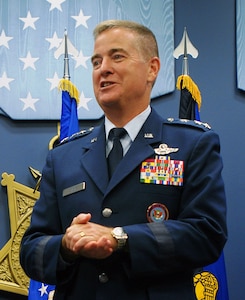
114,43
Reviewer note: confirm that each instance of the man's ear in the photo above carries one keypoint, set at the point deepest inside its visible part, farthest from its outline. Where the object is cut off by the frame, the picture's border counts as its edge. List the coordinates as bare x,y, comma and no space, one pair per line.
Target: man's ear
154,67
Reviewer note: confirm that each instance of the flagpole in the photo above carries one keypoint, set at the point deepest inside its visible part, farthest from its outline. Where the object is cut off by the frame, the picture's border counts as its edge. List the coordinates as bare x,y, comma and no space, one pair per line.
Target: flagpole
185,66
66,59
69,123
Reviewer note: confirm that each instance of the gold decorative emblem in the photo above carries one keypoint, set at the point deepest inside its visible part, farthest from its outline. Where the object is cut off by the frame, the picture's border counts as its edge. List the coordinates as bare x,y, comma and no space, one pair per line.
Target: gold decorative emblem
21,200
206,286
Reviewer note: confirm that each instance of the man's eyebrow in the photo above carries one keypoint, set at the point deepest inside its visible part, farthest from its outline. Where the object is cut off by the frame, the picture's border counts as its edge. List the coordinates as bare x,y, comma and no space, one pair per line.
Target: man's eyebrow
113,50
95,56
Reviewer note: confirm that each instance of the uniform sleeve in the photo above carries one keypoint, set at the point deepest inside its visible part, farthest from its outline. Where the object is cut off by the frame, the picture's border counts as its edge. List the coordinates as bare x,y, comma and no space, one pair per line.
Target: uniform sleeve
40,247
197,236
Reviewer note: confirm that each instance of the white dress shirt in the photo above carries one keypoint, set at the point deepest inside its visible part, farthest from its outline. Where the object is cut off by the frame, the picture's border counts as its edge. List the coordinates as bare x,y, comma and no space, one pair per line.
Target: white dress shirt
132,127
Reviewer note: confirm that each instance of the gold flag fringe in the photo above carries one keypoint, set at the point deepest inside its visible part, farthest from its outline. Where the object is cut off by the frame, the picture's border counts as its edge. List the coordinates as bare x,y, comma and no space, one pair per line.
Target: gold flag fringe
185,81
68,86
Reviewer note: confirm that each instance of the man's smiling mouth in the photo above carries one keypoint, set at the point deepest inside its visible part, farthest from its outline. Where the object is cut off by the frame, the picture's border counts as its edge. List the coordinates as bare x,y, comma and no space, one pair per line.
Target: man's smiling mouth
106,83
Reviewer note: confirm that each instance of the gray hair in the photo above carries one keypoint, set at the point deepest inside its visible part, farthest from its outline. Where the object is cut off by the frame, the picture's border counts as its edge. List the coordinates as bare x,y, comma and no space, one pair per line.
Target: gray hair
145,39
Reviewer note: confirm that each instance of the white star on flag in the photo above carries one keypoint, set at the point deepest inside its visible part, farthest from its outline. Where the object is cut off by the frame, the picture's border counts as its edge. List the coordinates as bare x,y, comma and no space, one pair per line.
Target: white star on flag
29,21
29,102
81,60
4,81
29,61
55,4
54,81
43,289
54,41
5,39
83,101
81,19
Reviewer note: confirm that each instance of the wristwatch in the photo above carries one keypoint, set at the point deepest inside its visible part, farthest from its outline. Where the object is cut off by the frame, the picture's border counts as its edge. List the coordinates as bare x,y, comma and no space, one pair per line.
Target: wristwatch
121,236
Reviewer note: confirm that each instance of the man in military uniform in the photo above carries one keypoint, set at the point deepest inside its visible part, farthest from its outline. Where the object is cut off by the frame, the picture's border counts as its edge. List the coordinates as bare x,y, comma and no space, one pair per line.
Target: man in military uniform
137,228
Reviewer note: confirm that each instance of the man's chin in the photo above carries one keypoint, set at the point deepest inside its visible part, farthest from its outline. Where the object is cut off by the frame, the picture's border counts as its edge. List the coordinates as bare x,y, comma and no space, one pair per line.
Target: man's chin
108,102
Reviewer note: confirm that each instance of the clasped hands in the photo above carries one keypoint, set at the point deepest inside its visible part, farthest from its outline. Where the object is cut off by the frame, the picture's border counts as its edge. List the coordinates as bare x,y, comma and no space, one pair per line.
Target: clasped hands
87,239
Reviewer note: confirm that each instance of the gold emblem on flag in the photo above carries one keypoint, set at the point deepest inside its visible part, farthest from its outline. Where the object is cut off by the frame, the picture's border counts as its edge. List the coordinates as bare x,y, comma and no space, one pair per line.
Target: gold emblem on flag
206,286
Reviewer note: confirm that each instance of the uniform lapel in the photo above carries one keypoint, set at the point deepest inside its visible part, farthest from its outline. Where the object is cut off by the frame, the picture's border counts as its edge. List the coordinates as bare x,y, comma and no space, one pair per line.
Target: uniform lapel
94,160
95,163
141,148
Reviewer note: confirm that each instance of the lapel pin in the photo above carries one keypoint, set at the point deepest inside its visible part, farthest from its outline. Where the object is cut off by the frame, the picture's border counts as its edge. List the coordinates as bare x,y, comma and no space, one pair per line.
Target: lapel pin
148,136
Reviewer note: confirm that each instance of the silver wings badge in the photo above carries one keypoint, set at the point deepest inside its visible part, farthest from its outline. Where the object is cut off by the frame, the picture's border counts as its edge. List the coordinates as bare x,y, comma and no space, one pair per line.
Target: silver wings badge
164,149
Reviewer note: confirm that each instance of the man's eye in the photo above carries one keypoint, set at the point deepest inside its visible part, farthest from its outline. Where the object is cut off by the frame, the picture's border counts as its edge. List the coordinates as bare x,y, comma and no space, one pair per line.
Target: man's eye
95,63
118,56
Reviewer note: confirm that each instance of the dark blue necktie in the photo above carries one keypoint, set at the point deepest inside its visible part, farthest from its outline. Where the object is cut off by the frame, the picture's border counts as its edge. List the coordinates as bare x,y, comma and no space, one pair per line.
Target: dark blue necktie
116,152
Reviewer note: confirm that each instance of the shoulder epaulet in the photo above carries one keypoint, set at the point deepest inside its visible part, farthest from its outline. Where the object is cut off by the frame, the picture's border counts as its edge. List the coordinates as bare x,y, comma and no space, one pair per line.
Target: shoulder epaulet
76,135
194,123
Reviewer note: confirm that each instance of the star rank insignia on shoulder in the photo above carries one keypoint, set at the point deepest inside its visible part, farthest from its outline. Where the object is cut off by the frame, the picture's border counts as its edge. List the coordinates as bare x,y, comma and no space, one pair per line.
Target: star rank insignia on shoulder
76,135
194,123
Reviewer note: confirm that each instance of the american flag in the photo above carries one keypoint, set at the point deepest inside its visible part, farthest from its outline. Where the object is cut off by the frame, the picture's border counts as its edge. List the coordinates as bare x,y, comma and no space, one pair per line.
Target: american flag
31,32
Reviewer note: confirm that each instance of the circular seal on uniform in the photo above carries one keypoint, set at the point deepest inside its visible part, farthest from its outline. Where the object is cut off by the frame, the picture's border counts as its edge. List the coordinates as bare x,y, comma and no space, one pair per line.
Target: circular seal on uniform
157,213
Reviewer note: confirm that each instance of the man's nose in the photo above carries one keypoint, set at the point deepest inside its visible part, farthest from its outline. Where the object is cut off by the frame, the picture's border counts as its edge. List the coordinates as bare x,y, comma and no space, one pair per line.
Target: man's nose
106,67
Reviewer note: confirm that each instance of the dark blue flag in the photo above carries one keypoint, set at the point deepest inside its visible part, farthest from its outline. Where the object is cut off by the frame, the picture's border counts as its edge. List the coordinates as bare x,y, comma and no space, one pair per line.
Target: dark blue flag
219,271
210,281
190,98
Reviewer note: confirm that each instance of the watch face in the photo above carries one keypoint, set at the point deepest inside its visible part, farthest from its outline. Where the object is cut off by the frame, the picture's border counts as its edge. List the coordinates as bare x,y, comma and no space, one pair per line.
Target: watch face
118,231
121,237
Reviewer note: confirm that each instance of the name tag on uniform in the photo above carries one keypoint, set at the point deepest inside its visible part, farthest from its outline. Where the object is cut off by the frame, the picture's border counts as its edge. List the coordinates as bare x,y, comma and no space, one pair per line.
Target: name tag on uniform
74,189
162,170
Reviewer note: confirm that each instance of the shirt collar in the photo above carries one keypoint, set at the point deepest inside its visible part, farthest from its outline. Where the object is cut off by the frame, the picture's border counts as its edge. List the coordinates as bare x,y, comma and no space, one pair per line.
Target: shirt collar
133,127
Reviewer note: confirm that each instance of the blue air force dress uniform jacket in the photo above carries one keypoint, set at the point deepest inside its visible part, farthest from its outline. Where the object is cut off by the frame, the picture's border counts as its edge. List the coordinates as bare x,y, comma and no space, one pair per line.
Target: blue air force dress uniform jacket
168,195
